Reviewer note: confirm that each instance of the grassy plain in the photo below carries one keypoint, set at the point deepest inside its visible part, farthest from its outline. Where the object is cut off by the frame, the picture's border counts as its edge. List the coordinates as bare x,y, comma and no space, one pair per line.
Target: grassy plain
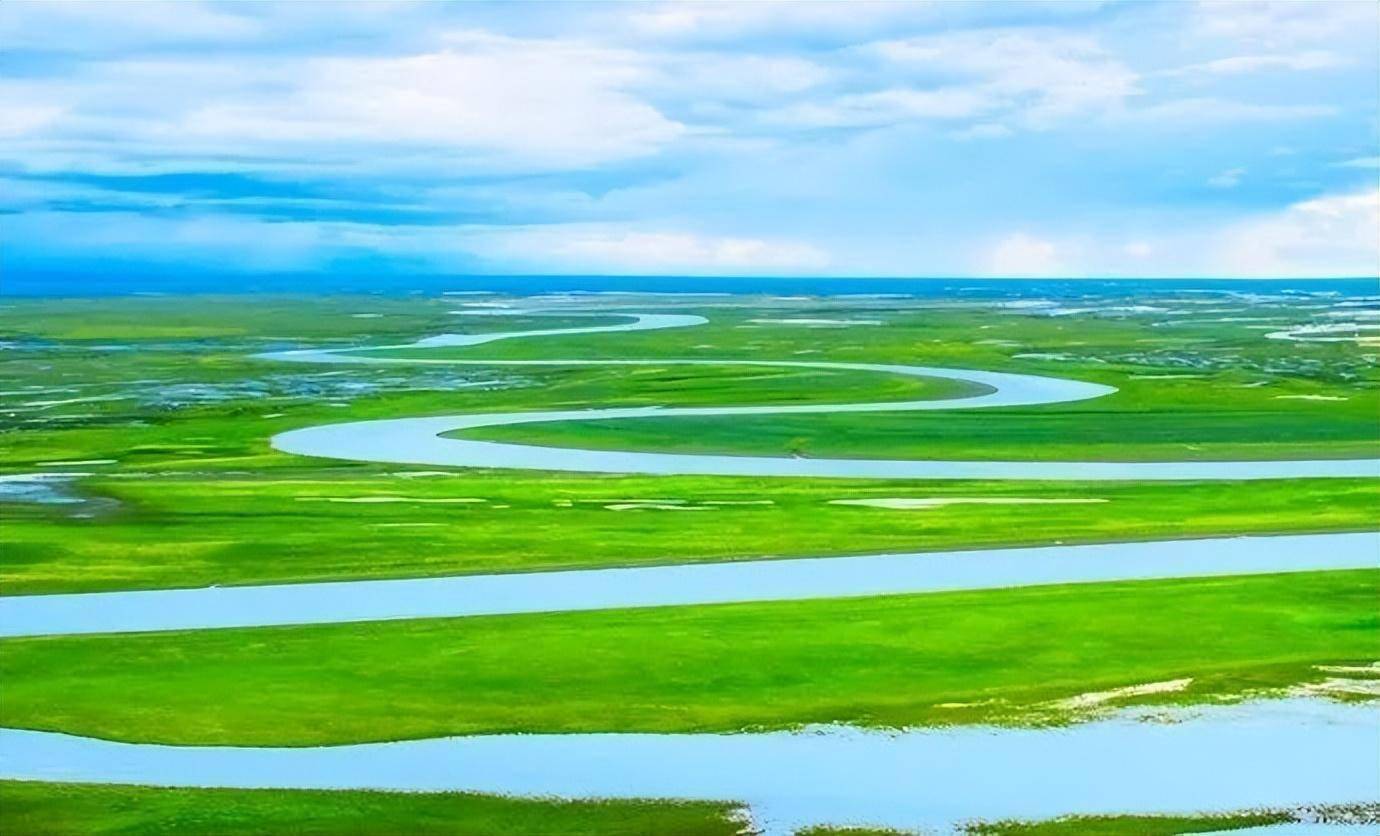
1131,825
992,656
160,407
52,809
188,530
49,809
161,415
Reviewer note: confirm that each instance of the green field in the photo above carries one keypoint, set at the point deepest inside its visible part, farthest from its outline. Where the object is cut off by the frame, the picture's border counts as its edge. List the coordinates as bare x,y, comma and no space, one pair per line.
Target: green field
188,530
163,395
44,809
886,661
161,416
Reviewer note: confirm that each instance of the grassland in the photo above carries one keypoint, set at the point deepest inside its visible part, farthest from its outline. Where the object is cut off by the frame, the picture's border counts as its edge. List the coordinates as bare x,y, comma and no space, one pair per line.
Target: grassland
1195,390
1130,825
187,530
163,396
1089,826
886,661
48,809
161,415
52,809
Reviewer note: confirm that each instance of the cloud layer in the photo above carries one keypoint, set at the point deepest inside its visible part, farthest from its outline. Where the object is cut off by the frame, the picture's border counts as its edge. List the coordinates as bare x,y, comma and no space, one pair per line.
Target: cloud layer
1216,139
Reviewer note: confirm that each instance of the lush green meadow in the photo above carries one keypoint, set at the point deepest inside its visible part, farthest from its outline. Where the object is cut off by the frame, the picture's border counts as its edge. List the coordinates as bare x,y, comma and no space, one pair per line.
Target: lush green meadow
160,415
45,809
992,656
164,415
189,530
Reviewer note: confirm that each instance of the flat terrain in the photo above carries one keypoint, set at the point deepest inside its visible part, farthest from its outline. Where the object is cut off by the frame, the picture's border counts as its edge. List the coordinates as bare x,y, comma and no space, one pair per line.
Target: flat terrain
886,661
162,415
43,809
134,454
47,809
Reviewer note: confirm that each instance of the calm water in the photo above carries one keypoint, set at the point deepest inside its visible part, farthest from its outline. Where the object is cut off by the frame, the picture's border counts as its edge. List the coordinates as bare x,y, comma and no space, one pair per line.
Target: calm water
1278,754
704,583
419,441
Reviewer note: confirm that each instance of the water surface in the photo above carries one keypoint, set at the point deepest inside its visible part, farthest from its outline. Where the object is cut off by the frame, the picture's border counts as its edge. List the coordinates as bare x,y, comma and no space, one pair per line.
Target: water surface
701,583
1282,753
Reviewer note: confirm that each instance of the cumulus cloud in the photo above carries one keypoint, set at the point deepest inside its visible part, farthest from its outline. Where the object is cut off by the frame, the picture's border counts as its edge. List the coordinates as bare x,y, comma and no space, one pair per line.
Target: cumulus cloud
706,21
695,137
885,107
1244,64
1024,255
1209,111
1285,22
1040,76
1334,235
483,99
623,250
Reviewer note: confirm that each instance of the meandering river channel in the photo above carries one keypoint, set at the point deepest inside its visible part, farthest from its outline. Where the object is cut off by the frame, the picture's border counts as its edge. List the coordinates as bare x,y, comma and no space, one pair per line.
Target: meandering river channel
1263,753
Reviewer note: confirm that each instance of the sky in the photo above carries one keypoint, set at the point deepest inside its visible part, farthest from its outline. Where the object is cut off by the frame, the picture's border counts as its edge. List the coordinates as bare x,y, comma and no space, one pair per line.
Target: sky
1000,139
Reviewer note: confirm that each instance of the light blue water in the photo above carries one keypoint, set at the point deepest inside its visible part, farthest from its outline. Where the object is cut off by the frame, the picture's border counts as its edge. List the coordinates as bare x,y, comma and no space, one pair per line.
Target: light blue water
1301,829
418,440
654,586
1278,754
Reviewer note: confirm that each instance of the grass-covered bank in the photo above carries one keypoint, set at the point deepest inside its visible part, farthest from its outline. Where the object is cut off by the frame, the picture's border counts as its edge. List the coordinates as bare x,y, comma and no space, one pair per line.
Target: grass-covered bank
159,405
60,809
992,656
53,809
189,530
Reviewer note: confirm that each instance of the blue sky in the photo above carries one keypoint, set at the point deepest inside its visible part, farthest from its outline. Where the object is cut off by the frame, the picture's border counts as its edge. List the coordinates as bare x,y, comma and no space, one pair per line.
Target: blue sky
899,139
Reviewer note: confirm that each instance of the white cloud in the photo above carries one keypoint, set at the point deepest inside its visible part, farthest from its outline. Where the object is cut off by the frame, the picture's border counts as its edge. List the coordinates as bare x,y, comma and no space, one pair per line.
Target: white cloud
59,24
1336,235
1245,64
25,118
719,77
1138,249
719,20
1274,24
592,247
1361,162
884,107
484,100
1228,179
1208,111
1043,76
984,130
1023,255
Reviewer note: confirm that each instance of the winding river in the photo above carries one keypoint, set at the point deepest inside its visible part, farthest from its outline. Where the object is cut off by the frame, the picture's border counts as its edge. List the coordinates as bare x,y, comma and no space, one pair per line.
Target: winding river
1263,753
420,441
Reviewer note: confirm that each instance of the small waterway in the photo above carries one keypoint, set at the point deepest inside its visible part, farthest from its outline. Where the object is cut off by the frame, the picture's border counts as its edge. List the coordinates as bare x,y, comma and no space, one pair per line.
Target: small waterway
1282,753
1275,754
683,584
420,440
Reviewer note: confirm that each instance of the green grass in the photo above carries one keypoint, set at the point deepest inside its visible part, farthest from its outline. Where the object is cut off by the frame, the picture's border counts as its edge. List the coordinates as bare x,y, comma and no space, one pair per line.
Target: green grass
203,499
1089,826
1130,825
198,529
1150,432
57,809
886,661
50,809
200,498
